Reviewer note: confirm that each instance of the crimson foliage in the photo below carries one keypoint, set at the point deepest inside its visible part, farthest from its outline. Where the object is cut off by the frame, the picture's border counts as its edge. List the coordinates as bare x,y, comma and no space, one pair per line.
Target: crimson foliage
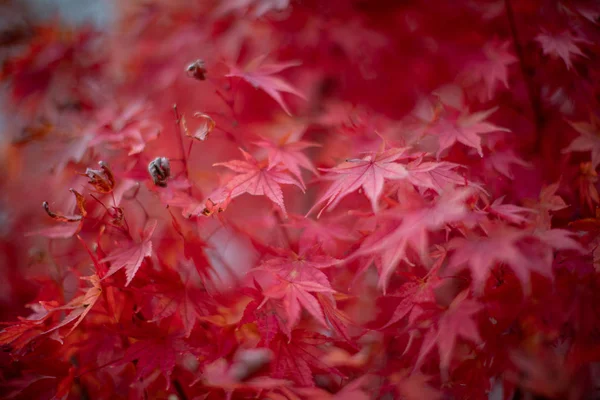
310,199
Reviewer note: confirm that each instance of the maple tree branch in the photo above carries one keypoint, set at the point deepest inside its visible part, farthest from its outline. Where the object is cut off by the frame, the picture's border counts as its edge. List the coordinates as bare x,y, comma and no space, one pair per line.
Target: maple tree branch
179,390
532,91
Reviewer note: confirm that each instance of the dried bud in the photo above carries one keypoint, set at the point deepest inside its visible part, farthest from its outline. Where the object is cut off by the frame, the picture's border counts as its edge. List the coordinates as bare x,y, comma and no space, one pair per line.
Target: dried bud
160,170
116,216
197,70
68,218
102,179
207,124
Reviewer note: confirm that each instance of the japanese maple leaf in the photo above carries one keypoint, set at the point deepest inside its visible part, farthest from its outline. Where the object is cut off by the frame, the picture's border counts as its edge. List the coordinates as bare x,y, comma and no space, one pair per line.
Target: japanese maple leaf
173,294
416,292
269,315
493,69
259,74
438,176
588,141
368,172
295,287
194,249
510,212
287,259
27,329
155,351
132,254
289,155
480,255
18,334
80,306
338,320
464,128
563,45
502,162
455,322
129,128
327,233
415,386
549,200
413,230
256,178
296,358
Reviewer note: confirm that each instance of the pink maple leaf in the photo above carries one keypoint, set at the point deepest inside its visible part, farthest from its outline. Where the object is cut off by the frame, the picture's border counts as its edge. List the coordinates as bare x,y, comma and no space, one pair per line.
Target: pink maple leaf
563,45
289,155
492,69
257,179
480,255
413,231
369,172
589,140
464,128
295,287
502,161
510,212
455,322
259,74
131,255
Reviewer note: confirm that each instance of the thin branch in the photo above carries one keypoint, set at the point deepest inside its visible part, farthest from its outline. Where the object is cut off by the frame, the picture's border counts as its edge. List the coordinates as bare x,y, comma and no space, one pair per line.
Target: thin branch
180,140
532,91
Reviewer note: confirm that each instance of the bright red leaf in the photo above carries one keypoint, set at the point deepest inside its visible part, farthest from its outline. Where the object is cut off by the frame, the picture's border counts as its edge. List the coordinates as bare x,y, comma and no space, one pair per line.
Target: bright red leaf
256,178
368,173
131,255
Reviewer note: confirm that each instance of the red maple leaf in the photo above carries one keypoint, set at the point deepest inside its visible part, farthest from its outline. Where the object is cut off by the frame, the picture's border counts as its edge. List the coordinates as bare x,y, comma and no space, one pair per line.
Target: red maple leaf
510,212
589,140
563,45
289,155
172,293
438,176
296,358
412,231
463,127
295,287
492,69
415,293
454,323
154,351
257,179
259,74
268,315
80,306
481,254
132,254
368,172
502,161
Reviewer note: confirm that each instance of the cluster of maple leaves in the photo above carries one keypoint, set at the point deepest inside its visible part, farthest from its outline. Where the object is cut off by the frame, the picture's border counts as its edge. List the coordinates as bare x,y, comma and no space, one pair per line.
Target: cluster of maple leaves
287,199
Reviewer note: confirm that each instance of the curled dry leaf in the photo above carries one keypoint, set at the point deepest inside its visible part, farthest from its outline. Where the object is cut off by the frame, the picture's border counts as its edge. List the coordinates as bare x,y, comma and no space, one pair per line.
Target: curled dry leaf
102,179
68,218
205,127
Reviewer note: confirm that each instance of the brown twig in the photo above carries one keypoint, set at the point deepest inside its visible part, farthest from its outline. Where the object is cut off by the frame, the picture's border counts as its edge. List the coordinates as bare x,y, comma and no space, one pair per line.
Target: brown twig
532,91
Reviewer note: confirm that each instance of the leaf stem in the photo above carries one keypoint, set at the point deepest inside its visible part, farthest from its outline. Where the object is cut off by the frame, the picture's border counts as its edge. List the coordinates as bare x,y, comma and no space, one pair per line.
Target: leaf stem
181,146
